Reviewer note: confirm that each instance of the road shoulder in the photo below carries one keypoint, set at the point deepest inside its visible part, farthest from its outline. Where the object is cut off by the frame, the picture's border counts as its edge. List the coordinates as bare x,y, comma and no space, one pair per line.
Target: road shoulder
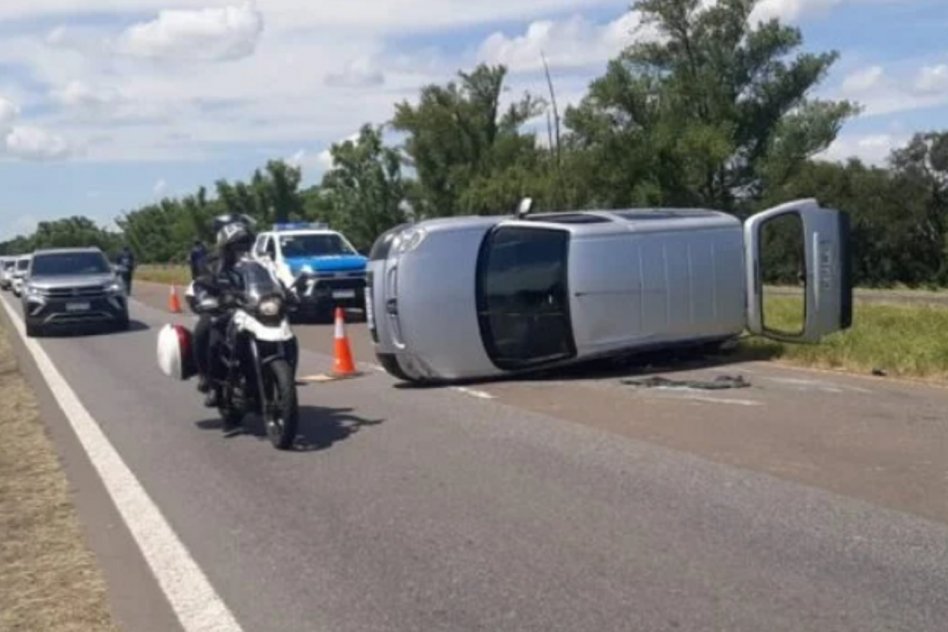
134,595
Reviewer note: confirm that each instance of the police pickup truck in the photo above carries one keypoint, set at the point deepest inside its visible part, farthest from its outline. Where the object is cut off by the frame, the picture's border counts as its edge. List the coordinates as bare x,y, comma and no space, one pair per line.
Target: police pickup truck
320,264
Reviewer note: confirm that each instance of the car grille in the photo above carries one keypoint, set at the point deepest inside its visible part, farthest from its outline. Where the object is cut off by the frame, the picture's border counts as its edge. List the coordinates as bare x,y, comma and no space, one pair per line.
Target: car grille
87,292
340,275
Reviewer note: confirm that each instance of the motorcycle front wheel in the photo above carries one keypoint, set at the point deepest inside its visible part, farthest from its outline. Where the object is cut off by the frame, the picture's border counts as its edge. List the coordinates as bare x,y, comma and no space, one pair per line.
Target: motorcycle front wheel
282,415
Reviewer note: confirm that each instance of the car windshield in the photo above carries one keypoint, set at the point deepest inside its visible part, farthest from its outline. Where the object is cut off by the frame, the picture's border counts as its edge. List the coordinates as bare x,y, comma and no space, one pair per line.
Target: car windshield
9,265
314,245
70,264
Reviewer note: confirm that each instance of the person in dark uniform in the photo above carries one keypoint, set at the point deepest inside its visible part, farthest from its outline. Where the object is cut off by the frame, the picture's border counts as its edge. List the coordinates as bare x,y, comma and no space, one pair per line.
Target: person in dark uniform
197,257
215,277
126,261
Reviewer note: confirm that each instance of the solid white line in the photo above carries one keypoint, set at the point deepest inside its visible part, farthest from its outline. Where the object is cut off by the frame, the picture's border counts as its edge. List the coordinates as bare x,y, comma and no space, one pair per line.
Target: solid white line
195,602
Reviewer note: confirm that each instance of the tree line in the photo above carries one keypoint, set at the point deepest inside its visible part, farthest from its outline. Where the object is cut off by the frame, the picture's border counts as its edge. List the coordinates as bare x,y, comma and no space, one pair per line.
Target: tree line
715,111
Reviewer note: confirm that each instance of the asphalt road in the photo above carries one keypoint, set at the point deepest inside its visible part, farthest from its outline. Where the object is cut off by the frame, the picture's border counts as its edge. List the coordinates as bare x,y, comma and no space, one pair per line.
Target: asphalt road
805,502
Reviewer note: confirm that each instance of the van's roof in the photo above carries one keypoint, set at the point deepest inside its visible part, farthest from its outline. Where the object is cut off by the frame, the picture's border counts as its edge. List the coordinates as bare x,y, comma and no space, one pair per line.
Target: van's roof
592,222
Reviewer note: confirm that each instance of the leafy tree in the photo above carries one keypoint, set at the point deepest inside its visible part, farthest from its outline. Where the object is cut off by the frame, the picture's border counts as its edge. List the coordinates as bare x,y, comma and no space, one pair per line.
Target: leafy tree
706,113
363,192
460,139
272,195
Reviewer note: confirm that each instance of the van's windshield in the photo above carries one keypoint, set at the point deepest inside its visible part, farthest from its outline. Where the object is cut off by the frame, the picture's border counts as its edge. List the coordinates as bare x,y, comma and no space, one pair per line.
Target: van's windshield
69,264
323,245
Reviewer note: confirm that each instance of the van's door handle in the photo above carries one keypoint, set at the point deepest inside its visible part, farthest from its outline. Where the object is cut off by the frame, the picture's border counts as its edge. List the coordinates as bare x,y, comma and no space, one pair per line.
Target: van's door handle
391,306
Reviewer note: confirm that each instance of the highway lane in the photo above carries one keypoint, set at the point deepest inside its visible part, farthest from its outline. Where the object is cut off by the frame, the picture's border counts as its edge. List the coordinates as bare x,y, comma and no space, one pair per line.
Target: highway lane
433,510
880,440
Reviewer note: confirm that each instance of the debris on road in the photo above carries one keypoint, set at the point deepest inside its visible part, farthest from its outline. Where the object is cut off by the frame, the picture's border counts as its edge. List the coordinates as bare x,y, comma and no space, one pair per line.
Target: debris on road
880,372
722,382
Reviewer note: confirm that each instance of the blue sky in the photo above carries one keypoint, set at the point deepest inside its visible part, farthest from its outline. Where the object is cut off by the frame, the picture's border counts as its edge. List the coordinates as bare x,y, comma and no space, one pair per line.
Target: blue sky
103,110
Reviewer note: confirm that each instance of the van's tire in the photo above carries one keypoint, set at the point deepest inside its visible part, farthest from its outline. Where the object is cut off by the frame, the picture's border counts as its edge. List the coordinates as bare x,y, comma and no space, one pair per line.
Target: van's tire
282,420
389,362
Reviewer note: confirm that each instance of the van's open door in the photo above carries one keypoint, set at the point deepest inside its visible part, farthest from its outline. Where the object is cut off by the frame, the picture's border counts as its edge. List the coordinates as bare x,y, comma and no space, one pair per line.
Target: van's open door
799,252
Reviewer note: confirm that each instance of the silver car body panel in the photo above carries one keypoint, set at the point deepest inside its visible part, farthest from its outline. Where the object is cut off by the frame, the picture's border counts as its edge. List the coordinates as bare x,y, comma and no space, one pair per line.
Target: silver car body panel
636,279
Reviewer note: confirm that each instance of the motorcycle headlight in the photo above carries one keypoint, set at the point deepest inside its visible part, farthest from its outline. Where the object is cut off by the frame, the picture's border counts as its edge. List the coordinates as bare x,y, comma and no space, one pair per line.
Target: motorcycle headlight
270,307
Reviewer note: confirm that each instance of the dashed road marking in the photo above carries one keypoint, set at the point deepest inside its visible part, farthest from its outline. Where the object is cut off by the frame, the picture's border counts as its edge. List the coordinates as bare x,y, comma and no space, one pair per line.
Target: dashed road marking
195,602
473,393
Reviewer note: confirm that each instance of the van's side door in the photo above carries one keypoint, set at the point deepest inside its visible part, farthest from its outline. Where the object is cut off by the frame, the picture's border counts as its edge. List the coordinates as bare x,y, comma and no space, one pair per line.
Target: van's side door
812,252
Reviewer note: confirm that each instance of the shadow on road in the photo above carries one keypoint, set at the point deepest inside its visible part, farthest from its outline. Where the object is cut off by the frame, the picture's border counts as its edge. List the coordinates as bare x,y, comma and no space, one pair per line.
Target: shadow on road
87,331
667,361
319,428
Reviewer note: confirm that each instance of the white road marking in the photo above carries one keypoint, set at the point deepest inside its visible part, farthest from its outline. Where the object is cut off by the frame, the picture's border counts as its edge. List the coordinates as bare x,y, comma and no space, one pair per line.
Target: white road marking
195,602
818,385
718,400
473,393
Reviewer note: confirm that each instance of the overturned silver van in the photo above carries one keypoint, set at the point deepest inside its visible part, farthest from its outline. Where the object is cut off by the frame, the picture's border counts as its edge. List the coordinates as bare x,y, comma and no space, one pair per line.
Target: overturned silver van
467,298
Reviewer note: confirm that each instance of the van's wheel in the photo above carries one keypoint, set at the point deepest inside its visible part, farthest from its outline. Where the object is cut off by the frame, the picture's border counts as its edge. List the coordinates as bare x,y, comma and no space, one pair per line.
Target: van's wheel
282,415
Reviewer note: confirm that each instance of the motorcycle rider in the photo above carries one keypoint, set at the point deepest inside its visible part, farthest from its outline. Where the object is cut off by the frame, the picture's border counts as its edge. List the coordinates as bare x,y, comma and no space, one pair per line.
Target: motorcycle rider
216,280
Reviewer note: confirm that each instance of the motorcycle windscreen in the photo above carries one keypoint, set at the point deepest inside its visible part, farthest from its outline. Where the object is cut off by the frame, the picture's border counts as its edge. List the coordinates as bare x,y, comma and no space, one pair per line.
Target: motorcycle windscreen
522,297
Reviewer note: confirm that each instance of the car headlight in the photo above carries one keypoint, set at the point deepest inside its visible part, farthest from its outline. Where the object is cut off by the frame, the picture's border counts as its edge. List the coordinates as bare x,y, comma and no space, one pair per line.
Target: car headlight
270,307
115,288
410,239
32,291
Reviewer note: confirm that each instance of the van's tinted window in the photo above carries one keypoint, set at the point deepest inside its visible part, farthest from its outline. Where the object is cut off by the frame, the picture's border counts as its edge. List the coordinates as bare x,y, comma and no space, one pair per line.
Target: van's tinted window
523,301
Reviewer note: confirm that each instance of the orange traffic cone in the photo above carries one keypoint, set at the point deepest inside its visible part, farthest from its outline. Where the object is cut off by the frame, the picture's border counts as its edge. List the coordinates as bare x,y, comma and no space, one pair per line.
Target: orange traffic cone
342,365
174,303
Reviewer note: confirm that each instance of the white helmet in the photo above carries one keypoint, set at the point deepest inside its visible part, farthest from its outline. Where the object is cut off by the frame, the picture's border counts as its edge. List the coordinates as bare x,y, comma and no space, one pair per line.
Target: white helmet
175,353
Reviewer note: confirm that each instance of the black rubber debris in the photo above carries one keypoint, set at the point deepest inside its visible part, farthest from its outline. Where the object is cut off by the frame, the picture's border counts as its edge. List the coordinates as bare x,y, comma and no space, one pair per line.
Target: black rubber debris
720,383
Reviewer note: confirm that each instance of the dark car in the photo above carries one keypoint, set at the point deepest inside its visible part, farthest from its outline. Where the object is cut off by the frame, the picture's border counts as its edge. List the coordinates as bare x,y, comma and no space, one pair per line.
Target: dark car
73,287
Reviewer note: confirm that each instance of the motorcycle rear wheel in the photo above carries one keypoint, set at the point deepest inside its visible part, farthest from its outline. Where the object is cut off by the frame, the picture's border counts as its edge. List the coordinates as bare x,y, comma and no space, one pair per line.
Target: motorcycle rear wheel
282,416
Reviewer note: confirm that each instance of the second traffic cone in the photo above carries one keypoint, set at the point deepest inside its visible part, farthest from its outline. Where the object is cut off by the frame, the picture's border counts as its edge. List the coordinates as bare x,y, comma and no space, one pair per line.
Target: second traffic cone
343,365
174,303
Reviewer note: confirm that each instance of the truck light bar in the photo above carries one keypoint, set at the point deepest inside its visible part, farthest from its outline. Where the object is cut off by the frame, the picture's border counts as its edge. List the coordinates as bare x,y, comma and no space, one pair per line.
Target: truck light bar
300,226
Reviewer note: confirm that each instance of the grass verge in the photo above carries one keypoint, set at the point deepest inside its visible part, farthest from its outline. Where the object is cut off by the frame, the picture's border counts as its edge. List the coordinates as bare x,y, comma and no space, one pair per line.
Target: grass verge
903,340
49,581
177,274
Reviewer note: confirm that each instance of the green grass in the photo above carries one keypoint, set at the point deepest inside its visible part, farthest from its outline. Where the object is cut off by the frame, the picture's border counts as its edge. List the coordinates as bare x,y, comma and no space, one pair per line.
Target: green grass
903,340
177,274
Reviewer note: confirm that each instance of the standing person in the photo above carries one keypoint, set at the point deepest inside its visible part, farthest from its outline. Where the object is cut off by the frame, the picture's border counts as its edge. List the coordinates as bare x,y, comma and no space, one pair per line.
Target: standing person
197,257
127,262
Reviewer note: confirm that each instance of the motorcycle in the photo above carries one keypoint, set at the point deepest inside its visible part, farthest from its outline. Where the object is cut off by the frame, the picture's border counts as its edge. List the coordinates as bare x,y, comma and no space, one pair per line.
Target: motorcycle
258,356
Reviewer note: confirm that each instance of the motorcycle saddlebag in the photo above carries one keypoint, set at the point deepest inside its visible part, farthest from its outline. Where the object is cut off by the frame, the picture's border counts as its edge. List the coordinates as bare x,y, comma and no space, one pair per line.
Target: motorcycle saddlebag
176,352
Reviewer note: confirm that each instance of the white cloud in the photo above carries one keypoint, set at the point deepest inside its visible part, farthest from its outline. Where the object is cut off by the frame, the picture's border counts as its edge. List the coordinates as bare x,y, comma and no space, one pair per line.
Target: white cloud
573,42
899,88
357,73
160,188
862,81
873,149
790,10
35,143
80,94
8,114
216,34
933,79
